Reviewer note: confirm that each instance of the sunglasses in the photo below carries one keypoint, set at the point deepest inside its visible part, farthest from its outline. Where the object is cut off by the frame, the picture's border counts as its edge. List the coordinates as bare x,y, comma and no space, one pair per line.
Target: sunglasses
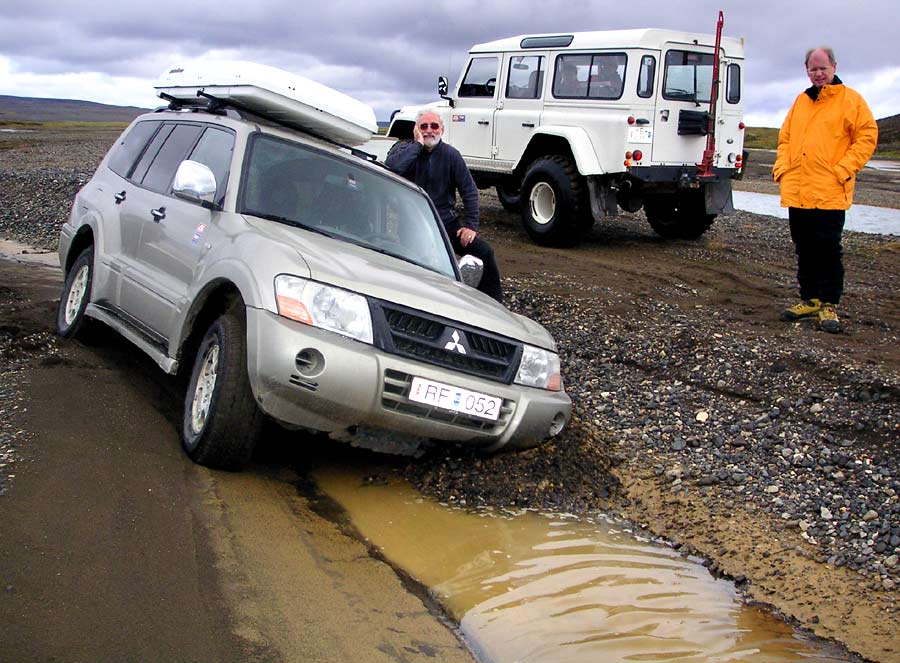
434,126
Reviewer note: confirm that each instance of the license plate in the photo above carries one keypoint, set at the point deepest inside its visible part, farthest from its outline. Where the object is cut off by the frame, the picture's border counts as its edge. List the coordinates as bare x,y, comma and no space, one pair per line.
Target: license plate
456,399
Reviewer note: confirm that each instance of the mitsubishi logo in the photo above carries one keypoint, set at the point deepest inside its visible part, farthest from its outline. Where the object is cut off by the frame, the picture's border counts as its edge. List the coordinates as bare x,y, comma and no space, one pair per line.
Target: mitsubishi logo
454,343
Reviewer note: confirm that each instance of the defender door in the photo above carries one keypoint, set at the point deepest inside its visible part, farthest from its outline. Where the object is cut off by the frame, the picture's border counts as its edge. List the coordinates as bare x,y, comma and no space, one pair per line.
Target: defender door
682,104
470,127
519,112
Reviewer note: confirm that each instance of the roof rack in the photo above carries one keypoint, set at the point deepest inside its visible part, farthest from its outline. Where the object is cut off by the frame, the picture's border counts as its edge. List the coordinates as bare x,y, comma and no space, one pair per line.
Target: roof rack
220,106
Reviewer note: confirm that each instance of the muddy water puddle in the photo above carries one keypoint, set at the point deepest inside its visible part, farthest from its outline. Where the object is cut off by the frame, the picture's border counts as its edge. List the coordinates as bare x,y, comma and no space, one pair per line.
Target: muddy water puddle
533,587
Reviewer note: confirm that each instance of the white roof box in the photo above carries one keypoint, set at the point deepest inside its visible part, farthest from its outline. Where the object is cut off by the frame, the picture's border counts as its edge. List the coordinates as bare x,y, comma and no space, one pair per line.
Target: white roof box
276,94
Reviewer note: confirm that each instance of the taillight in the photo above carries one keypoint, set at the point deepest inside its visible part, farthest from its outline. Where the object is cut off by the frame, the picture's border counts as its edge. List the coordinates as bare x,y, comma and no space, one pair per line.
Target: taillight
638,155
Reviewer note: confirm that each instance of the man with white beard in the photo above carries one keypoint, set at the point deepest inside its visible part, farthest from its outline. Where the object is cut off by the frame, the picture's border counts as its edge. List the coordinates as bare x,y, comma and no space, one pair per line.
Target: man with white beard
440,170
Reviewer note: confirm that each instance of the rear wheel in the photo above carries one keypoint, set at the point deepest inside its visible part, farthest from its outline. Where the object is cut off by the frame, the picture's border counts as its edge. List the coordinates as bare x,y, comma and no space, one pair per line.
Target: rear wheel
221,421
508,195
76,294
678,216
552,201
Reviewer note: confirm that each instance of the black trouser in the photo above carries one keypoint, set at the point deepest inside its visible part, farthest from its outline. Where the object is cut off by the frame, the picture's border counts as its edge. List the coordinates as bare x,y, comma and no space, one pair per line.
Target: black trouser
817,240
490,278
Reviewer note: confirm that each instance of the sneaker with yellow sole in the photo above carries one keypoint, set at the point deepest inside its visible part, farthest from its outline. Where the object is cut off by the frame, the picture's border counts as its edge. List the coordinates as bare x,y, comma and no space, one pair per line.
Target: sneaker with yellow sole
805,309
828,319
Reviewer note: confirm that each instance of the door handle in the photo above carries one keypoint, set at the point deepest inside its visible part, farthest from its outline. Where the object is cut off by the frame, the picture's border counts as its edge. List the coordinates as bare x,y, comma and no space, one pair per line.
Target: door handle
120,197
158,214
484,122
530,125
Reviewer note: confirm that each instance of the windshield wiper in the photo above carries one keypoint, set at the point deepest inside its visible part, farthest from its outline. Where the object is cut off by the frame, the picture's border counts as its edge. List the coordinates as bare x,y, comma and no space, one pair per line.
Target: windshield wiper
288,221
682,94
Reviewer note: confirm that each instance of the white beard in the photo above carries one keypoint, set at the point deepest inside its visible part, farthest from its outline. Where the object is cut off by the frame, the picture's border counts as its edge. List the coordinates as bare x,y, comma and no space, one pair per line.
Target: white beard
432,142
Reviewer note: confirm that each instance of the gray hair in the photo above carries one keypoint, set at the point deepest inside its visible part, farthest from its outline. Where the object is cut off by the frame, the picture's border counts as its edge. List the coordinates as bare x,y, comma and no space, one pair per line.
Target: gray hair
828,51
429,111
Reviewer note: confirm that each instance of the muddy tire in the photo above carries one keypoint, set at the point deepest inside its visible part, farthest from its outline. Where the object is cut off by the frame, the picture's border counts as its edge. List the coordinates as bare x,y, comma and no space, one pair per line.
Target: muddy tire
76,294
221,422
508,195
678,216
552,202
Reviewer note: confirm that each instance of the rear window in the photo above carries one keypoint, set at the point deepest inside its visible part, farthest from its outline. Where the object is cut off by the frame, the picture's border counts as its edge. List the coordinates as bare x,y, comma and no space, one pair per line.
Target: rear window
131,146
688,76
733,84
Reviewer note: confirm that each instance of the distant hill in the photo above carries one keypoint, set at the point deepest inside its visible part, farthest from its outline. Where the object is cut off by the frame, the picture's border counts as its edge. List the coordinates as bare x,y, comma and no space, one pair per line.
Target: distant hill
36,109
889,132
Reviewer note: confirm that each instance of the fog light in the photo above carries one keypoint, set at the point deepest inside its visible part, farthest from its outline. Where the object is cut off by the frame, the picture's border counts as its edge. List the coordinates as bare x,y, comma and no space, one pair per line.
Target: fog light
310,363
557,424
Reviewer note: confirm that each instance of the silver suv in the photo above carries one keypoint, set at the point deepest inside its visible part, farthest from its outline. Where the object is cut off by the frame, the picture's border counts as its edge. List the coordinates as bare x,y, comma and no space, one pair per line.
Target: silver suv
296,279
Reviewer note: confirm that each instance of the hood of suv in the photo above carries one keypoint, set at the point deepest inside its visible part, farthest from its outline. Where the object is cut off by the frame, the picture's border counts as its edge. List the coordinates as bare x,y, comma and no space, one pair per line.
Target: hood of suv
384,277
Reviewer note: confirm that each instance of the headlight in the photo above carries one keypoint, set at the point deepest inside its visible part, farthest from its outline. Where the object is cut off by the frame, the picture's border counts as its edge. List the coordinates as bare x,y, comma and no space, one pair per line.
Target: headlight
323,306
539,368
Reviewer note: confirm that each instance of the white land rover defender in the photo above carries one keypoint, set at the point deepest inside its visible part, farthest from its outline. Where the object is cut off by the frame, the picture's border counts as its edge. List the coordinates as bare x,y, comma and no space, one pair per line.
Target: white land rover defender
569,127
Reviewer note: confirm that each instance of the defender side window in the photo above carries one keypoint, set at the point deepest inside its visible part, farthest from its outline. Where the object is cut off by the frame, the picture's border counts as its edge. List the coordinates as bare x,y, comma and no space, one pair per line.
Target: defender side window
525,79
480,79
214,150
646,77
589,76
161,172
131,147
688,76
733,84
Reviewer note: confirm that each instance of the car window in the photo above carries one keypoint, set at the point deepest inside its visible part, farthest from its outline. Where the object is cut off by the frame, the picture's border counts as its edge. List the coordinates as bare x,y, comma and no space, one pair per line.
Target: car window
161,172
131,146
525,79
733,84
214,149
646,76
480,79
589,76
688,76
298,185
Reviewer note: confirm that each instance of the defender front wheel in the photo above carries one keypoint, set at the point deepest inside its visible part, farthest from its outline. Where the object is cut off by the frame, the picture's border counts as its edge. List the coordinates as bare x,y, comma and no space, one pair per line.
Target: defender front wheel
551,199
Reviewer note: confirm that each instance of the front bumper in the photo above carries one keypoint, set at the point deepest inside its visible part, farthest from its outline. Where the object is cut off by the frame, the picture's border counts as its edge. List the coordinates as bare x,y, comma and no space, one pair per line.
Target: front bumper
307,377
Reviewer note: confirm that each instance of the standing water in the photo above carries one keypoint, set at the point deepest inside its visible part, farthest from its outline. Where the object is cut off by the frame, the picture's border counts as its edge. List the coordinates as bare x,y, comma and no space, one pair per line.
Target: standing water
531,587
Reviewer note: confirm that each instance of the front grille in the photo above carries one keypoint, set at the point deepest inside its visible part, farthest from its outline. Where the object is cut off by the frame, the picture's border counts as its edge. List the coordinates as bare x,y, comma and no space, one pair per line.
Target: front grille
444,343
395,397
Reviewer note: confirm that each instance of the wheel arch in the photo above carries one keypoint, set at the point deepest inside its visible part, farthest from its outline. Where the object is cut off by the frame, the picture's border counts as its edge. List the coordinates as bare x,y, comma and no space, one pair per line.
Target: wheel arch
83,238
214,298
572,142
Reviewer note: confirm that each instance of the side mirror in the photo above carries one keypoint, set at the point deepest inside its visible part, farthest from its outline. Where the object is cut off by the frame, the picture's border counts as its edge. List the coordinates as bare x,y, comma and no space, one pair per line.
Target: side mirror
195,181
471,269
443,86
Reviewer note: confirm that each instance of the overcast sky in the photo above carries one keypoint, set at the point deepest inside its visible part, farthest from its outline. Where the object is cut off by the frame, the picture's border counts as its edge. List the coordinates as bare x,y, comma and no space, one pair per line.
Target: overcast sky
390,53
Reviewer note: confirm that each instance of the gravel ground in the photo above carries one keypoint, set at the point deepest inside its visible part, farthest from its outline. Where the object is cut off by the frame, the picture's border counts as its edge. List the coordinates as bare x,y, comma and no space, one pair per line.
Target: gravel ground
699,394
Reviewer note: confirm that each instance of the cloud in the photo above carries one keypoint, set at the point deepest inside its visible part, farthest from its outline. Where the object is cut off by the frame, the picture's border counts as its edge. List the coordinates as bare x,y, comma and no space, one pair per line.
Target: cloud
390,53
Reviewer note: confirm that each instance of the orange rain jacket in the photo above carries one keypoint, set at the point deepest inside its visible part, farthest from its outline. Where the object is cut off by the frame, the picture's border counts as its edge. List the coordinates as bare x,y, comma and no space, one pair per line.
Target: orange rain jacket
822,144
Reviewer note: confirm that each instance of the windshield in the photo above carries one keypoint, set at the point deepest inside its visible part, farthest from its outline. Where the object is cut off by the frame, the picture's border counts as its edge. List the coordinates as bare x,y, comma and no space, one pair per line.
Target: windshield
300,186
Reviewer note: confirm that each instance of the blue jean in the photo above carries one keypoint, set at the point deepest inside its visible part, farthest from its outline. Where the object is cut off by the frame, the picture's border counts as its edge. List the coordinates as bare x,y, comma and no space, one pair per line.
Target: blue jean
816,234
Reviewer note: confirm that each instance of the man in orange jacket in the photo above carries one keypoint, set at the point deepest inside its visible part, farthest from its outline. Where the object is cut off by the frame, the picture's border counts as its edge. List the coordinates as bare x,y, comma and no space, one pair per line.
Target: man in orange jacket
827,137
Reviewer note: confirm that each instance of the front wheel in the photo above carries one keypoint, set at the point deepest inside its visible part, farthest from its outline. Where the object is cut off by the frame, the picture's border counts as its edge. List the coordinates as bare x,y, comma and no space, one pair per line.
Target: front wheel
76,294
678,216
552,198
508,195
221,421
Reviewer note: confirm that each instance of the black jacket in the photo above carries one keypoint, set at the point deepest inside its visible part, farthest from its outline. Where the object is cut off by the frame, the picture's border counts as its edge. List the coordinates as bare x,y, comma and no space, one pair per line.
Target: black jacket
441,172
